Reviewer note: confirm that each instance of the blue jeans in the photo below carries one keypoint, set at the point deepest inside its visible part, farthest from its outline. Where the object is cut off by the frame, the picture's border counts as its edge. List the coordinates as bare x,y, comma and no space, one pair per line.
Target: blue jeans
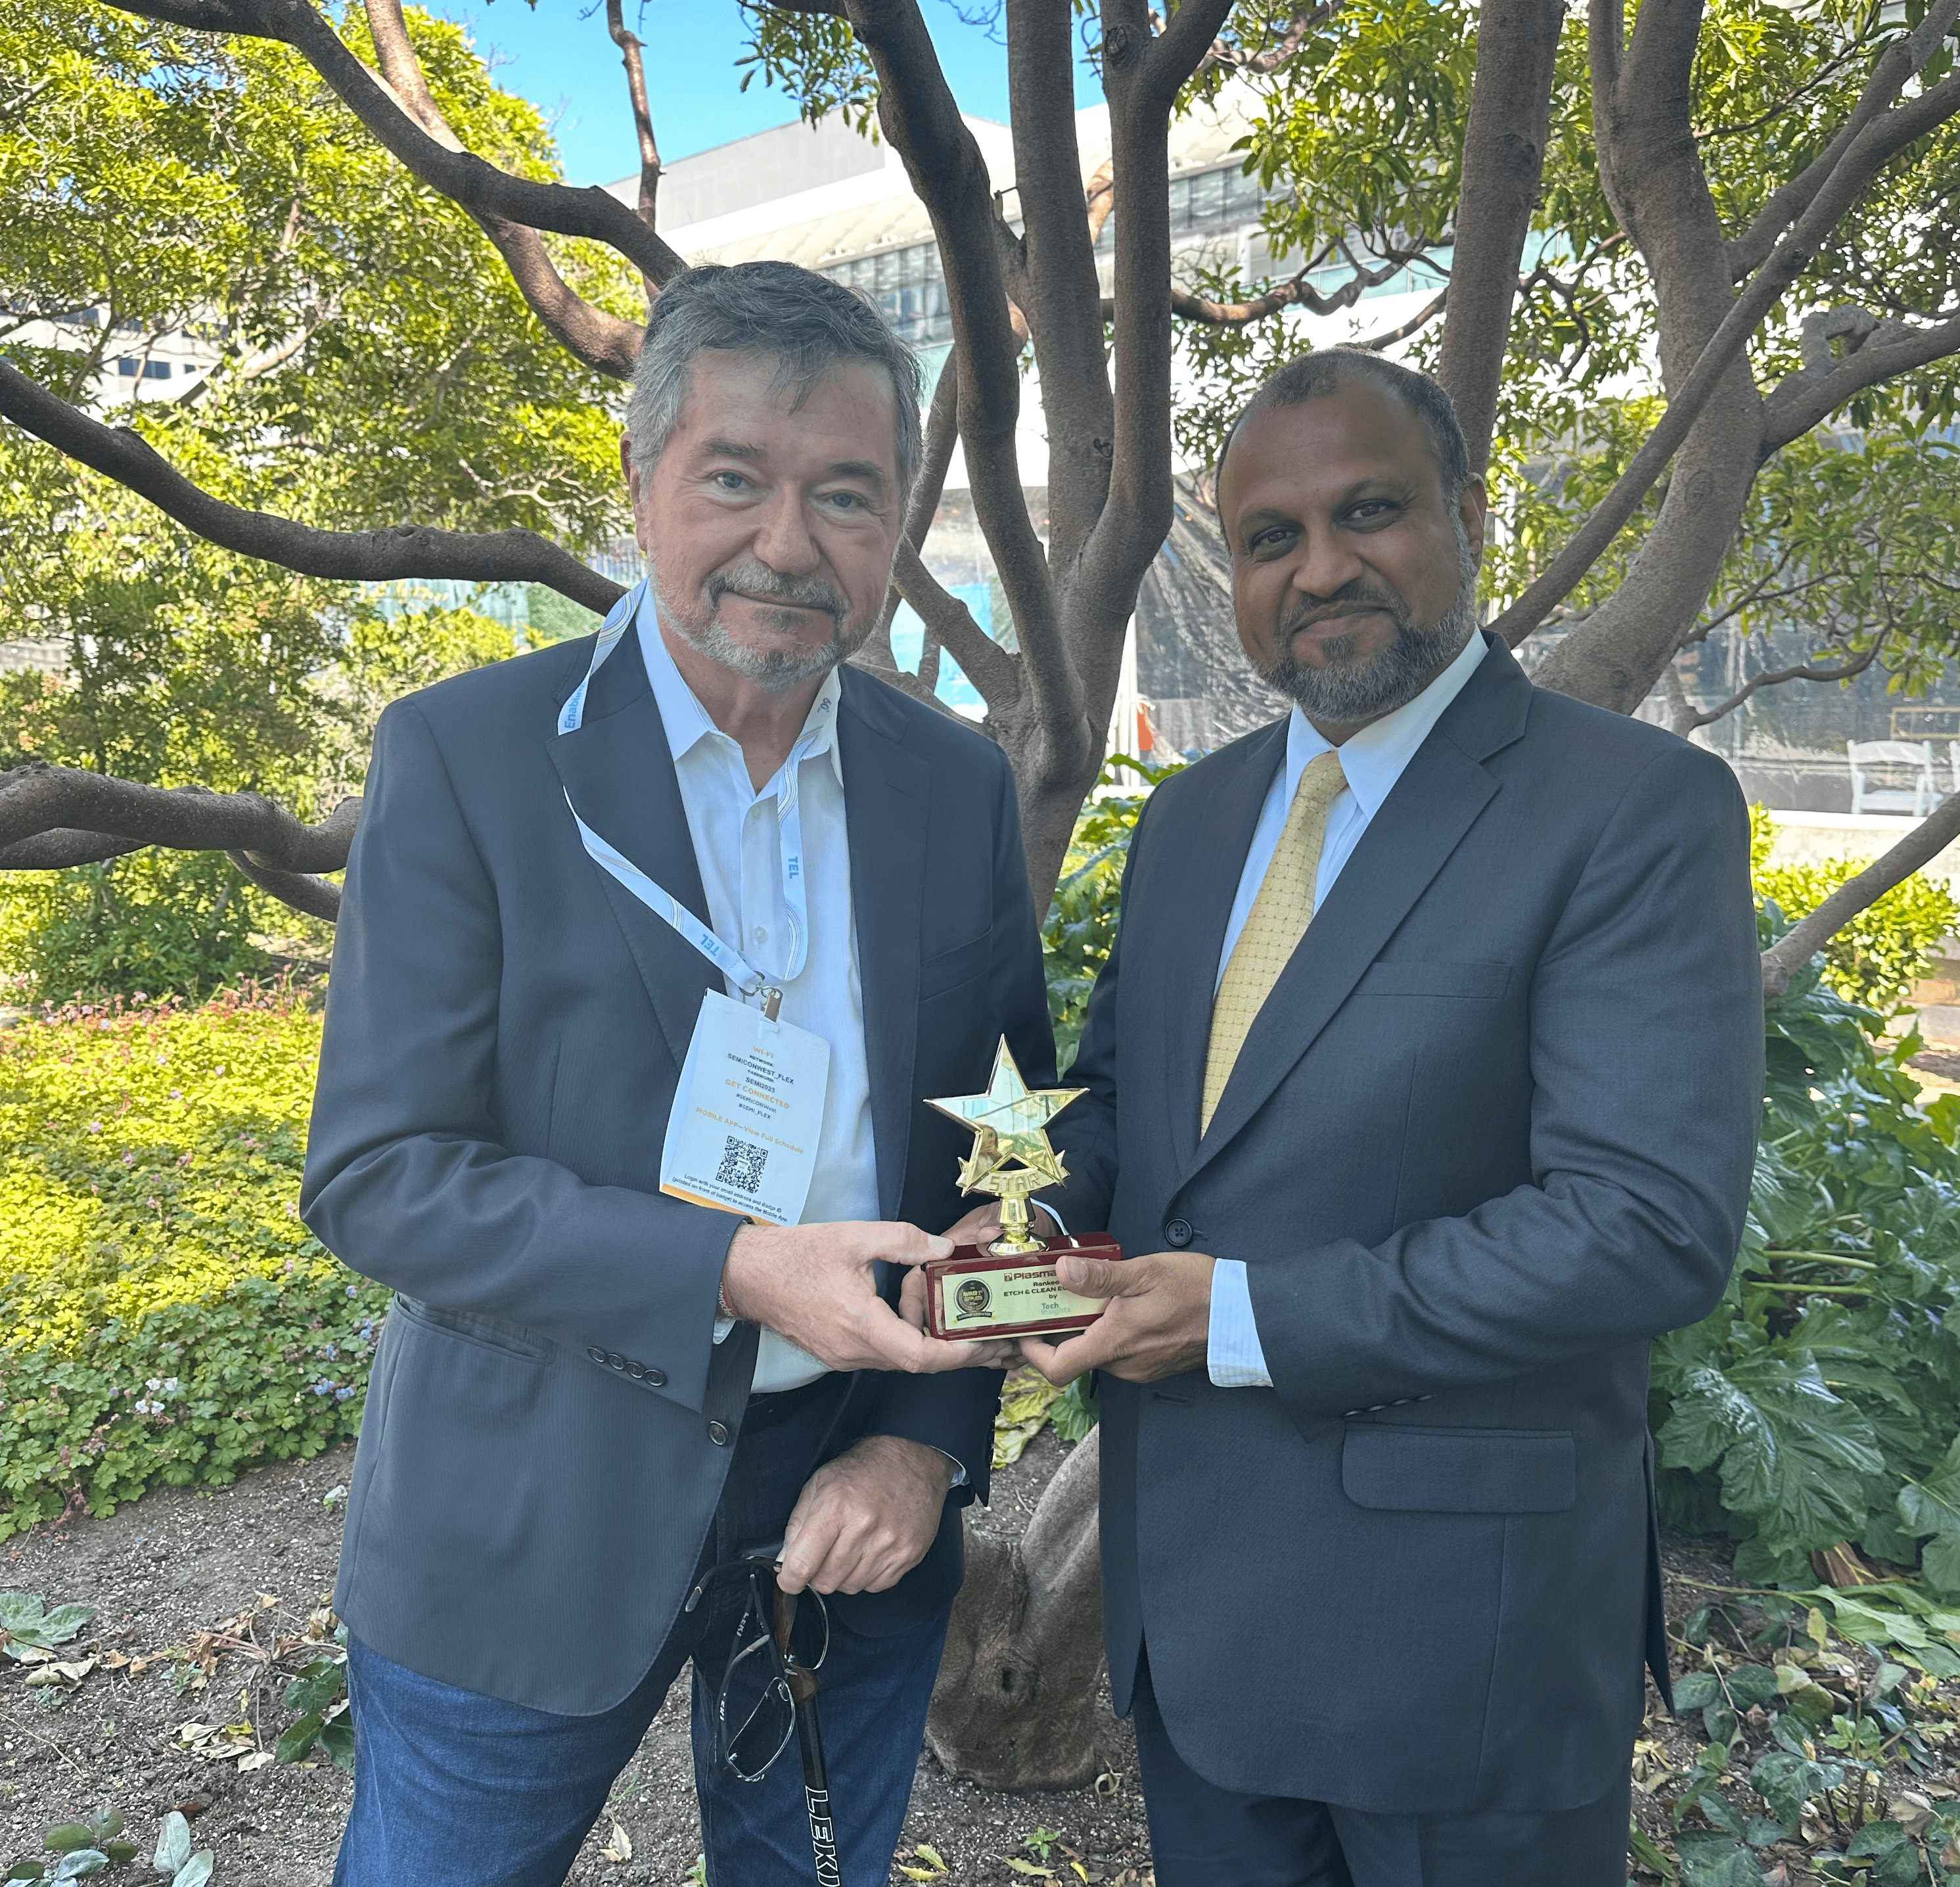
455,1789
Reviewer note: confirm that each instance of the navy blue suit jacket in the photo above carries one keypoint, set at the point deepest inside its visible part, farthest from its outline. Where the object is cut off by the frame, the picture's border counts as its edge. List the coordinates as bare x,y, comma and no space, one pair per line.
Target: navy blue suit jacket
1493,1130
547,1425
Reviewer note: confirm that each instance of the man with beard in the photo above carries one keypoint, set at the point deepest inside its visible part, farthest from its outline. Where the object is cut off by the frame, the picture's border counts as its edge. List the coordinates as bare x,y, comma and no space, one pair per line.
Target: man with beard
653,944
1464,1117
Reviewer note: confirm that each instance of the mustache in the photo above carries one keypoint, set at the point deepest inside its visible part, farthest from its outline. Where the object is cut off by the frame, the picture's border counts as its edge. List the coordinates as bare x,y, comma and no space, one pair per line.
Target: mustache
757,581
1352,598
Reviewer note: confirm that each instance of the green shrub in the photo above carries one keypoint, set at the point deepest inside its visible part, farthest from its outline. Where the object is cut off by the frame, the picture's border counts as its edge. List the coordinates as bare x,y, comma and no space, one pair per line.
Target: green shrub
154,923
1877,957
169,1319
1820,1403
1081,924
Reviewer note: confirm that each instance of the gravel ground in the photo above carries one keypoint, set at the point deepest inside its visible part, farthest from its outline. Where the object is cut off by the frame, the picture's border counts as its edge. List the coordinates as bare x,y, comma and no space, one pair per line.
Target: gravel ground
207,1602
203,1603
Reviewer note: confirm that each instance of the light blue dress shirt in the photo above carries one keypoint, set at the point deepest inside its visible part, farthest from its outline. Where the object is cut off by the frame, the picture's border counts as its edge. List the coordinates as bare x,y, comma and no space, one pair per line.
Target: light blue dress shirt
1372,761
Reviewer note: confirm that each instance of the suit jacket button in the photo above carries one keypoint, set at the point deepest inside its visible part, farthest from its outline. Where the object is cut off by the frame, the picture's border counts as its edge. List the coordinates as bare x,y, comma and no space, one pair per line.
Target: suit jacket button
596,1355
614,1361
717,1433
658,1378
1177,1232
637,1371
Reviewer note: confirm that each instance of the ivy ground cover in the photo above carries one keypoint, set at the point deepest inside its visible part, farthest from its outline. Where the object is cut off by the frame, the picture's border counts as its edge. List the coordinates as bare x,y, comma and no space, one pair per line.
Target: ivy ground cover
164,1316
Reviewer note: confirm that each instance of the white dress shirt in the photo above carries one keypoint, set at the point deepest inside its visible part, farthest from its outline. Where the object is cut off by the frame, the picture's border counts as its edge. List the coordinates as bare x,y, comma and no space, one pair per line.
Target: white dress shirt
734,831
1372,761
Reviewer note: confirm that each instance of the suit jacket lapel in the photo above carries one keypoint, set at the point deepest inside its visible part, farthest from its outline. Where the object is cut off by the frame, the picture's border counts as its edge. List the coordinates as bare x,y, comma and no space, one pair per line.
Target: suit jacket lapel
618,771
1436,800
887,793
1204,905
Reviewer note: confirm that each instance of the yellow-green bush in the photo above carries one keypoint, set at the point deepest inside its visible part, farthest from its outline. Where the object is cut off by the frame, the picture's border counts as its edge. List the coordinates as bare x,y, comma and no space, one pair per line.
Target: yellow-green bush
167,1316
1878,955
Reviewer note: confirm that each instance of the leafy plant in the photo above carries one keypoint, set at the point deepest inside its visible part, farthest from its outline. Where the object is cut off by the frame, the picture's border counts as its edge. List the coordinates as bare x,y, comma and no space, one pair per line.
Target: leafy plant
168,1318
319,1694
1820,1403
1877,957
156,922
1830,1732
27,1626
1081,923
174,1859
81,1847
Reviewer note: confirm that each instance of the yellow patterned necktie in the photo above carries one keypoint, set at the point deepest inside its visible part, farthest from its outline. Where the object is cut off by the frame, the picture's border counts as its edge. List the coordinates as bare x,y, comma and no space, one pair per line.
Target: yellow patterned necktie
1274,925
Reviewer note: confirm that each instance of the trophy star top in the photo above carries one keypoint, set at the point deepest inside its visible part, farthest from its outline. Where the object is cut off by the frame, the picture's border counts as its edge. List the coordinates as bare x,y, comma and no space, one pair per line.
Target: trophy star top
1015,1114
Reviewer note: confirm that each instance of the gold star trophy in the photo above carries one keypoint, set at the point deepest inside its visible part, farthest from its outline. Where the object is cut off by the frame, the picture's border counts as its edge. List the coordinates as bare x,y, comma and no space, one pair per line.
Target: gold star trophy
1009,1288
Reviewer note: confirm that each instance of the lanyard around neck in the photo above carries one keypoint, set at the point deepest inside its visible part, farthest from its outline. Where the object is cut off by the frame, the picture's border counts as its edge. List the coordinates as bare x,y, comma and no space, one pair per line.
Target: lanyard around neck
749,981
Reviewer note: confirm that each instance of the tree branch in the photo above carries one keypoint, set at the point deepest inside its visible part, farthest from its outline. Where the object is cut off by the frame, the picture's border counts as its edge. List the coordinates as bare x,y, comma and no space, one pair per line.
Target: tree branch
1427,313
1296,292
1808,935
1504,159
1141,76
373,556
479,187
316,897
629,45
1187,39
1063,301
1775,678
990,668
917,112
1817,390
1894,65
942,435
1873,147
1237,59
38,802
602,341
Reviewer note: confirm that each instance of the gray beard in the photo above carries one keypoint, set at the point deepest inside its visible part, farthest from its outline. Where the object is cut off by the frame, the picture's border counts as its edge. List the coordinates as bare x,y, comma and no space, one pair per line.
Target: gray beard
1344,690
772,670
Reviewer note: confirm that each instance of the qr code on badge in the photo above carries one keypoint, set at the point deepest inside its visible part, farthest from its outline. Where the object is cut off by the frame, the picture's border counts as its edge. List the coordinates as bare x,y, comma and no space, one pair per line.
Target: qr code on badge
742,1164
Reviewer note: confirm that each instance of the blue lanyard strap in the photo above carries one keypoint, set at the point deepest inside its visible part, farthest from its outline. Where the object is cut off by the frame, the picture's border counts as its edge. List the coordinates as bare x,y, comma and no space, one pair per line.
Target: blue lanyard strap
750,981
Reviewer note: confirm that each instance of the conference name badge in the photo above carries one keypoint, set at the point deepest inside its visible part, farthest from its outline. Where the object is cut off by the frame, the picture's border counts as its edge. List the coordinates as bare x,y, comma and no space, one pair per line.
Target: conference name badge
742,1133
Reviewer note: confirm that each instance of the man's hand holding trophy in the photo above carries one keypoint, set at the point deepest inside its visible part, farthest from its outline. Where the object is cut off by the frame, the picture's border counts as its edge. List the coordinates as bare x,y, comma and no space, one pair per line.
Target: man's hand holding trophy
1005,1286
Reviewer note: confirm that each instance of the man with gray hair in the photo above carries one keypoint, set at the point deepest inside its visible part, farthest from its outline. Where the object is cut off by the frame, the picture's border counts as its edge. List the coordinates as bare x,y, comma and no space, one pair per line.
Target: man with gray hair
654,945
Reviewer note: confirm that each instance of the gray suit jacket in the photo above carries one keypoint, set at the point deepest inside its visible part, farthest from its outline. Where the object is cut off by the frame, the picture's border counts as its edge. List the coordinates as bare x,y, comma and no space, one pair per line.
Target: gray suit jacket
1492,1132
548,1423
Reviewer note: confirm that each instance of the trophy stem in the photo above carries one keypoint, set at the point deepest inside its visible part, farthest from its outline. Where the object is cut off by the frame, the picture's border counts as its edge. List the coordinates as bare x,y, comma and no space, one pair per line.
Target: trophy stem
1017,1236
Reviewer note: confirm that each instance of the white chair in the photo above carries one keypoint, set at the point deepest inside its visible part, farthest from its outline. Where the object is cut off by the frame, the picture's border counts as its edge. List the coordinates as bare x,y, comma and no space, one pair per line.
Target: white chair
1953,754
1896,762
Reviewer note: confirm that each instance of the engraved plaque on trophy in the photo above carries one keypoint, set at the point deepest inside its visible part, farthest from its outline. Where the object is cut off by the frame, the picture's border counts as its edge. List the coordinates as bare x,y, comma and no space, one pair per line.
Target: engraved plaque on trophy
1008,1287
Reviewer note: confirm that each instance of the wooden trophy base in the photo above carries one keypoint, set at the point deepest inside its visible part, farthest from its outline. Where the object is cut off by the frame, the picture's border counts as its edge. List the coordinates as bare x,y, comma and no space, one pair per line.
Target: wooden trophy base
976,1294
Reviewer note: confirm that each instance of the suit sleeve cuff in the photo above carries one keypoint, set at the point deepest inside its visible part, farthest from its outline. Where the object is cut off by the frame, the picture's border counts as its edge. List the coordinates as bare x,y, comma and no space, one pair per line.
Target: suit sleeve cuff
1234,1358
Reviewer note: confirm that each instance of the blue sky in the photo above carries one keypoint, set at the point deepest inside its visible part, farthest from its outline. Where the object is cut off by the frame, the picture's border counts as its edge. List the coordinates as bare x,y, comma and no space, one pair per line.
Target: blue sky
557,55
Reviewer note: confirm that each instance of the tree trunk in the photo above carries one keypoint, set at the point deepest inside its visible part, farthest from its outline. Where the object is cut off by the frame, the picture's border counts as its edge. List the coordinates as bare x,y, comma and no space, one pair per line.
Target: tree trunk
1015,1705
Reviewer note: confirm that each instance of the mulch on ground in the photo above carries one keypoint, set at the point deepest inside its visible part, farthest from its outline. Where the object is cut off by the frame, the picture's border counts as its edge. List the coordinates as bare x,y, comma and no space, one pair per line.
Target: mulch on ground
203,1600
207,1602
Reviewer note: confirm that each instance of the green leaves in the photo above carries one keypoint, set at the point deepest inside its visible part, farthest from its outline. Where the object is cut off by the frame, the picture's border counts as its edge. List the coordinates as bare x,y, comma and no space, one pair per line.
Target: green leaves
1715,1858
1933,1507
26,1624
1791,1455
315,1692
1820,1403
173,1857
